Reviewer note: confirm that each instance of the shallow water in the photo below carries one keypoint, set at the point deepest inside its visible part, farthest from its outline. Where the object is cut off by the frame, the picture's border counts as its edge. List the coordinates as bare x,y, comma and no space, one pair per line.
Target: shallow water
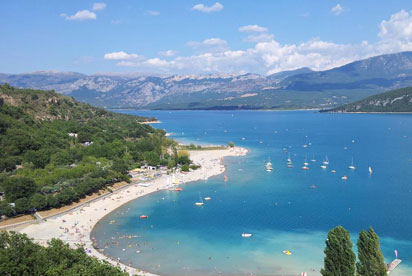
279,208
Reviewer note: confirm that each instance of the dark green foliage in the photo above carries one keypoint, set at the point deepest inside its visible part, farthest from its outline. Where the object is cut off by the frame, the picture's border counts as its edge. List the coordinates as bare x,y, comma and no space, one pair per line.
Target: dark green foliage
6,209
18,187
185,168
38,201
183,160
20,256
58,169
339,257
399,100
371,262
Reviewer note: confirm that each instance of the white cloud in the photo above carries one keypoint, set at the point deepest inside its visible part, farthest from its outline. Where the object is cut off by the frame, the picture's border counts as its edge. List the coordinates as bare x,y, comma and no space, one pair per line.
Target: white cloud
168,53
120,55
214,8
214,41
80,15
99,6
337,10
396,33
156,62
210,42
253,28
153,13
259,38
398,27
269,56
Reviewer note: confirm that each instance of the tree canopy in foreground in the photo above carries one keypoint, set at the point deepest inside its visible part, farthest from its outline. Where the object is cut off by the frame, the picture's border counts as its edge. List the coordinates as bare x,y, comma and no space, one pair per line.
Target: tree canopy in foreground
20,256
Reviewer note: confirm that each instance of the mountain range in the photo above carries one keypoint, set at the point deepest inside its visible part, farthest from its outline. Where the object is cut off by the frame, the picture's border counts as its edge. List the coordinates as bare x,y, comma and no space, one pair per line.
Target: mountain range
300,88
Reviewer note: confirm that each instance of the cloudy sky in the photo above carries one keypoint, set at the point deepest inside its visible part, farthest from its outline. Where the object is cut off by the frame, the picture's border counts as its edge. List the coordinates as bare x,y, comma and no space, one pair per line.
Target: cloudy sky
185,36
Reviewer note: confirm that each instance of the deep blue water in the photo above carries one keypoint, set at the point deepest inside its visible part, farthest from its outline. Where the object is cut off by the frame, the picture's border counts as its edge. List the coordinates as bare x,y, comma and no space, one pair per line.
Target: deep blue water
279,208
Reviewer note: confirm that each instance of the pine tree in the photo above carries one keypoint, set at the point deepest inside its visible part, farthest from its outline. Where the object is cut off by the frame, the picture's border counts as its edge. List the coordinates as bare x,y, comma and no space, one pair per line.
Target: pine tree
371,262
339,257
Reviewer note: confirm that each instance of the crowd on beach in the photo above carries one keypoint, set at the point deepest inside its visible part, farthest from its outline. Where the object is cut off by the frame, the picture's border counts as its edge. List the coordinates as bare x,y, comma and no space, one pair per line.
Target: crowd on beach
76,227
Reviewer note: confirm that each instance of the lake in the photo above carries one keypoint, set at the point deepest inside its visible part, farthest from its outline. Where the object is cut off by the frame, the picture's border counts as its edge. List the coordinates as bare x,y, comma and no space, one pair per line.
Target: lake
286,209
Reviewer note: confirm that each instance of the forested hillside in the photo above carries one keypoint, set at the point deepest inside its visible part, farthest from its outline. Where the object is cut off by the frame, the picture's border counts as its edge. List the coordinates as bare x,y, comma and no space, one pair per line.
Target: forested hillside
399,100
55,150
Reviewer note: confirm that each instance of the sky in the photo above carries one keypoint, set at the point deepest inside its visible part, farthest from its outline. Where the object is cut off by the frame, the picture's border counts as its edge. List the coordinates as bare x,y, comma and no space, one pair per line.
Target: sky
198,37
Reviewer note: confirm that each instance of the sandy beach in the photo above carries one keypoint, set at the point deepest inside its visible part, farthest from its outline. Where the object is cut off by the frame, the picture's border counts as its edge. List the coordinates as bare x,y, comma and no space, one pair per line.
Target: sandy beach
75,227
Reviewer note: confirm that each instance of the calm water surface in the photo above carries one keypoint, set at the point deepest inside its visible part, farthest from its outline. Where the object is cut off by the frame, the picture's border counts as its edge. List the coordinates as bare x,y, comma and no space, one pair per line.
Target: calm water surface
280,208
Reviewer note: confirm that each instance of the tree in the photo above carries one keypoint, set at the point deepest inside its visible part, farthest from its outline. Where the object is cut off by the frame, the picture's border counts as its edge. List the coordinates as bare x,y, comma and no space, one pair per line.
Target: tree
185,168
22,205
6,209
371,262
231,144
20,256
18,187
339,257
152,158
52,201
38,201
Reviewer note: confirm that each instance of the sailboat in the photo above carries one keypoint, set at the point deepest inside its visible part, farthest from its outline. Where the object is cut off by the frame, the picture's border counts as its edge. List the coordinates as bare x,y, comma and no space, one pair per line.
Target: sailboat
370,170
290,164
326,162
306,161
352,167
313,159
200,203
269,166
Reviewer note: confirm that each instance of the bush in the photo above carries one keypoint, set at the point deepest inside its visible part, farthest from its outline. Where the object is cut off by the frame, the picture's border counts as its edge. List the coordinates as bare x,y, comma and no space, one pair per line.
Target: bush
185,168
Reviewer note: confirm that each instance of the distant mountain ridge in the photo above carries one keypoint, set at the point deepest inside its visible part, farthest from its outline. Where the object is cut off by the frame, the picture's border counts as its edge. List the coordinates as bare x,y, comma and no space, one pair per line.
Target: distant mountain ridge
300,88
399,100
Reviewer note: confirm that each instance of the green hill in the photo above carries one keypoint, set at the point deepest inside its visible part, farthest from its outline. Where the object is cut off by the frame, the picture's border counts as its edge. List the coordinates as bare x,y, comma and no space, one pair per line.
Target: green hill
399,100
55,150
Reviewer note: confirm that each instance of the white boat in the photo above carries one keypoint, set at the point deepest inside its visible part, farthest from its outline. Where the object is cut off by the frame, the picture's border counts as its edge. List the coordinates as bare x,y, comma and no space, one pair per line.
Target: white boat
290,164
246,235
269,167
323,166
208,198
287,252
370,170
200,203
313,159
326,162
352,167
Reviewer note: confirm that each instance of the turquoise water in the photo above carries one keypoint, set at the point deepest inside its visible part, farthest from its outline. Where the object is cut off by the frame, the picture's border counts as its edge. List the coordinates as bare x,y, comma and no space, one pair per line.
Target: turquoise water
278,208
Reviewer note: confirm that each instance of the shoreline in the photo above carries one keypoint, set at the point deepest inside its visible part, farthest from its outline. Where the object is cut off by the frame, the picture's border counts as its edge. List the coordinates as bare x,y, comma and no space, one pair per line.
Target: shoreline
76,227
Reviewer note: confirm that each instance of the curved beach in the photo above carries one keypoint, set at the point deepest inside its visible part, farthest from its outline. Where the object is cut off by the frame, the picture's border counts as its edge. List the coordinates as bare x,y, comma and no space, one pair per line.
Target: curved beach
76,226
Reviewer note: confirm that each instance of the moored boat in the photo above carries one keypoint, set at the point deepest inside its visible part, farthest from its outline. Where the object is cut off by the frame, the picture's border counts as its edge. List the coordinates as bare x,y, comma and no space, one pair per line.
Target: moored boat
352,167
246,235
287,252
